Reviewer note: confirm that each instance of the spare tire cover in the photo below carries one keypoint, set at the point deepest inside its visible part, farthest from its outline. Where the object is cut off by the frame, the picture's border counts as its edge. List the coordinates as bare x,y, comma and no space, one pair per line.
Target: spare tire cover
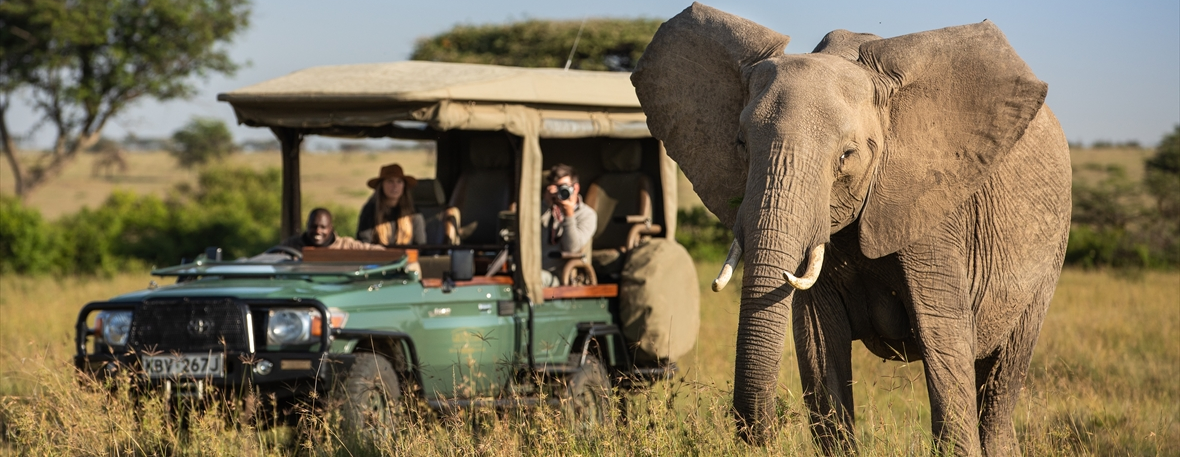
659,302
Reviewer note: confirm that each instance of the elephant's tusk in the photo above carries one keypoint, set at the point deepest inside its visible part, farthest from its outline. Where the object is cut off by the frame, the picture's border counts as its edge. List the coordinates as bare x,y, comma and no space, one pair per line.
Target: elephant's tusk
735,254
813,266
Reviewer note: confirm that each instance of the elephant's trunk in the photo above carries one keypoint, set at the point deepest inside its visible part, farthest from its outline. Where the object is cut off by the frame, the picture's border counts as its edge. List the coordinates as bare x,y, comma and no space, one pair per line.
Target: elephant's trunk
782,228
764,317
763,321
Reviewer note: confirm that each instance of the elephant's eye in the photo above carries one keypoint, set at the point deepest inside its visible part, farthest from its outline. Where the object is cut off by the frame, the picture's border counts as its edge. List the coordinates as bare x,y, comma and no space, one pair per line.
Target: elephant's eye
847,153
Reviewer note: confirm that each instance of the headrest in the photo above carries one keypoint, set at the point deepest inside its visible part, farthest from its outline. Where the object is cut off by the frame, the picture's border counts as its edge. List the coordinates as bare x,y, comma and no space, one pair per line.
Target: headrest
490,151
428,193
621,156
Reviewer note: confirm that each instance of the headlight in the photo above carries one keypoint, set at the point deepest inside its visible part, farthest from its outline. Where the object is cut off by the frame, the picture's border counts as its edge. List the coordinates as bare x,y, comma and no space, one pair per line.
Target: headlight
113,326
288,326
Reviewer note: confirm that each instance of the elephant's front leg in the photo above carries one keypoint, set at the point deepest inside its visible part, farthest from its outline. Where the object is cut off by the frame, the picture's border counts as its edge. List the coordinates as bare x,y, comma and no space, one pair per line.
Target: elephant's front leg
945,327
823,344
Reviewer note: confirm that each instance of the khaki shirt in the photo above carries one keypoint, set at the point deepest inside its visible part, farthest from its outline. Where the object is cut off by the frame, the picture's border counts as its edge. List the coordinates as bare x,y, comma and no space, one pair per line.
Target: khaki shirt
341,242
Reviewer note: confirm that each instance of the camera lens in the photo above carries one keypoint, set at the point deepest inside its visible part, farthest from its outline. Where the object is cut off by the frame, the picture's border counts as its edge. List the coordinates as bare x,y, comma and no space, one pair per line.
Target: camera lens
564,192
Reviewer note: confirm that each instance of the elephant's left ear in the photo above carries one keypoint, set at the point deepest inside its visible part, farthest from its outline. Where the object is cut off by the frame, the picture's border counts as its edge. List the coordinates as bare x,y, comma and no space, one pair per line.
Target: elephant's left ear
956,100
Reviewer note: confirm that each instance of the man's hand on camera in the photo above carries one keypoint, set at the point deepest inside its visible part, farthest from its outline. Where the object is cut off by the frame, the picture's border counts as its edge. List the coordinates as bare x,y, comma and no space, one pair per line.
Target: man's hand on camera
567,206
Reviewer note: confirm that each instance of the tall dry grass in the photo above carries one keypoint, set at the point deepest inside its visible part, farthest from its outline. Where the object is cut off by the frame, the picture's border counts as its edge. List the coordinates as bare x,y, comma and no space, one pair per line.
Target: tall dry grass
1104,381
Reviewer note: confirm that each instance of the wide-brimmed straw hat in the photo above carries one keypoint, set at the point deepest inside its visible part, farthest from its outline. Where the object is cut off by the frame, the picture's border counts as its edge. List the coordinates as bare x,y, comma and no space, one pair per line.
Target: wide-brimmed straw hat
392,171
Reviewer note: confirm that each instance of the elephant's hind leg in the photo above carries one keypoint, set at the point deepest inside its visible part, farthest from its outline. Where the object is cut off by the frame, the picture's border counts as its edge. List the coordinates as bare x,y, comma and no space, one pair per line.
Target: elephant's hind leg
999,378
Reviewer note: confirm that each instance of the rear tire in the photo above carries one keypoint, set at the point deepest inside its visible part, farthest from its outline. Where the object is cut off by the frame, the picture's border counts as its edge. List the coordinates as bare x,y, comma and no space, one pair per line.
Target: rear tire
588,396
370,396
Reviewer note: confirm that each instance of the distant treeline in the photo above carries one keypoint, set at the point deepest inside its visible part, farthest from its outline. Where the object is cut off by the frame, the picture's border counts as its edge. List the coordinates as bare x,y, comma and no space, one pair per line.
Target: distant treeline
1117,222
1107,144
602,44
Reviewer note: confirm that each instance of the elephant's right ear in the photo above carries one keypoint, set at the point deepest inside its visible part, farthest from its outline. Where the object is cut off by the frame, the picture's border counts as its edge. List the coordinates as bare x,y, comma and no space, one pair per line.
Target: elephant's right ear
691,84
954,101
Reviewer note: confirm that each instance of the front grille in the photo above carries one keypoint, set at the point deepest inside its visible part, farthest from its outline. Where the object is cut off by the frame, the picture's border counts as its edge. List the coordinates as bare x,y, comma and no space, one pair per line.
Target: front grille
189,325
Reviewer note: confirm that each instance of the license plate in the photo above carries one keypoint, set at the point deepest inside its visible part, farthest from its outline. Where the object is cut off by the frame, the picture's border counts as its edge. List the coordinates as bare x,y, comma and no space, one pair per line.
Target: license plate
186,365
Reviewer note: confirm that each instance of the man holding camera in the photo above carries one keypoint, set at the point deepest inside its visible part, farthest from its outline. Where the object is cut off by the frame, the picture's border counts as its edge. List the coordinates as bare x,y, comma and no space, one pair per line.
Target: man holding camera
567,225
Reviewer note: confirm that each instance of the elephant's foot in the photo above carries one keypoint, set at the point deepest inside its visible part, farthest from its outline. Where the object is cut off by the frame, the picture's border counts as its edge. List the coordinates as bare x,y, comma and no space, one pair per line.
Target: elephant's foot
833,437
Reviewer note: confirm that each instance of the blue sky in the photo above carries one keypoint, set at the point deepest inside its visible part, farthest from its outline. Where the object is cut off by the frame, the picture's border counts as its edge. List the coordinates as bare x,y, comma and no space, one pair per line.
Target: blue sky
1113,68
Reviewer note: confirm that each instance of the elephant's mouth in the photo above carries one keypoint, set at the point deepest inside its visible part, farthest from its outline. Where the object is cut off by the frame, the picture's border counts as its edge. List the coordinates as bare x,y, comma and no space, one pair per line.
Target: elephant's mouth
815,263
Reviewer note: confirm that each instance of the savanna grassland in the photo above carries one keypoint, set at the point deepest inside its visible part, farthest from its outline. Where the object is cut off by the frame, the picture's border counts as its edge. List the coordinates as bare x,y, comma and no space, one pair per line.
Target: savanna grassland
1103,381
1105,378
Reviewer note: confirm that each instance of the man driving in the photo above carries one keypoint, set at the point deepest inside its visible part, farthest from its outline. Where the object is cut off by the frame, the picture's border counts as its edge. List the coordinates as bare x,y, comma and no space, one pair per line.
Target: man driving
322,235
567,225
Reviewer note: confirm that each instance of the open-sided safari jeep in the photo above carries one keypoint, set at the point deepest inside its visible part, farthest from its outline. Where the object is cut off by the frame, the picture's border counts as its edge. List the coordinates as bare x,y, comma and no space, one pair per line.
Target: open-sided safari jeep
463,320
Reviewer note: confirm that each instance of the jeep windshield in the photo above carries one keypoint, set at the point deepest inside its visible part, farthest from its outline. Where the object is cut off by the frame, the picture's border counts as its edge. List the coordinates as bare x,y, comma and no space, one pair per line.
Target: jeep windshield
354,269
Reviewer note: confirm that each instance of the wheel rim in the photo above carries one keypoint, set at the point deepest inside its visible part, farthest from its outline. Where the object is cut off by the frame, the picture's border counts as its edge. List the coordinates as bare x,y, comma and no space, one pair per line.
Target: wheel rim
374,407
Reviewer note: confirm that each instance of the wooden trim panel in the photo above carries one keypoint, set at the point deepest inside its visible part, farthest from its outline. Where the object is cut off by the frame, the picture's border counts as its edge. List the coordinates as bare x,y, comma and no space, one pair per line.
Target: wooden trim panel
476,281
595,291
311,254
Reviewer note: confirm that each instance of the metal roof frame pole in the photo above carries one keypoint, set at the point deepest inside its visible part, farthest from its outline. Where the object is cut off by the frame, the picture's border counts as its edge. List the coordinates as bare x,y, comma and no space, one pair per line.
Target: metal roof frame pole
290,139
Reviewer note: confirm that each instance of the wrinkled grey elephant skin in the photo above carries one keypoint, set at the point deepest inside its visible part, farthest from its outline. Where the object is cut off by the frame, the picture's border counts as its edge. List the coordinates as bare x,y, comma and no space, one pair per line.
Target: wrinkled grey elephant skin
924,170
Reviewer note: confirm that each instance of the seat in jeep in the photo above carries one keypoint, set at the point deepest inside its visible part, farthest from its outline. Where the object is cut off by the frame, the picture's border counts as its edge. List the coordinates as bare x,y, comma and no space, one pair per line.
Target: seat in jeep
430,200
483,190
621,196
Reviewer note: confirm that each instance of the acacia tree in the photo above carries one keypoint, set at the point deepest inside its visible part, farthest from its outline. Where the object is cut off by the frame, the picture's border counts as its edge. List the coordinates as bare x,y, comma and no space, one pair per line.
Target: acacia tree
83,63
604,44
201,141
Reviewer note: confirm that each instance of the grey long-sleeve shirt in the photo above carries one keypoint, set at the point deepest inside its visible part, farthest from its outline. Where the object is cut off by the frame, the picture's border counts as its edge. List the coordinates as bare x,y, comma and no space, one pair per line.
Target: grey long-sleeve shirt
572,234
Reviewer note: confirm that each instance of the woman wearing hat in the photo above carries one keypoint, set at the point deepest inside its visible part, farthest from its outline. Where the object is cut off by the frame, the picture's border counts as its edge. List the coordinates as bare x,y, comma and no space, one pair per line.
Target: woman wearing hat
389,218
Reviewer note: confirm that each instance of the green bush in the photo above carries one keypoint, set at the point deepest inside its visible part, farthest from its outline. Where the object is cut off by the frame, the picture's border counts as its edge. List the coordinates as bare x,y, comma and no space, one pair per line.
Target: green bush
705,237
235,209
238,210
1110,247
27,242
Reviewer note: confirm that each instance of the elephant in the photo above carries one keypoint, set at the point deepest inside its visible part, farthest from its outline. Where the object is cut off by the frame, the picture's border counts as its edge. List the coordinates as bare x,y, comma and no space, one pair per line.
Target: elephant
912,193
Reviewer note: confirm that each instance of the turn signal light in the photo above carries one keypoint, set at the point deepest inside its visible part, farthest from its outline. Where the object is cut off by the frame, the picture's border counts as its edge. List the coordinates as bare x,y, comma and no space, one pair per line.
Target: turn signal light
337,321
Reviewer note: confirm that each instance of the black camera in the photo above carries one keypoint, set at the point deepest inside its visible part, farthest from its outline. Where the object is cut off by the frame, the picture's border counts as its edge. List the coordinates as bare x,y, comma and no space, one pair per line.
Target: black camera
565,191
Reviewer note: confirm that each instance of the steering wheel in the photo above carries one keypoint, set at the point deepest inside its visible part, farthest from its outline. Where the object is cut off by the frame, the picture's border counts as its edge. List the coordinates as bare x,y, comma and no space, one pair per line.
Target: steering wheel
294,253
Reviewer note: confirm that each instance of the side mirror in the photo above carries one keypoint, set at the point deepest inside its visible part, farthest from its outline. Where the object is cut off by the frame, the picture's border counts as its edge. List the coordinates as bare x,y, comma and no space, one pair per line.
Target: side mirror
462,264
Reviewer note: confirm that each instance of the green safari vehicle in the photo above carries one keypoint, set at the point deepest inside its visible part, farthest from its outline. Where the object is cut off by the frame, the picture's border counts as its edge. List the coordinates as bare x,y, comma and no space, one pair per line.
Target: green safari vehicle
463,320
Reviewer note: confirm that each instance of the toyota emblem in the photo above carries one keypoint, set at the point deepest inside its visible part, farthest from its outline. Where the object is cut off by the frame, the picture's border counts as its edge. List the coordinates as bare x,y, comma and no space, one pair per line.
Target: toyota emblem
200,327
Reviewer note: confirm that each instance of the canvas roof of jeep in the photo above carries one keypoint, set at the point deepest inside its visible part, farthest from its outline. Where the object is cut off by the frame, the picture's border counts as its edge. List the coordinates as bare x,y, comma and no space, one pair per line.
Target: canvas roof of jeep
572,103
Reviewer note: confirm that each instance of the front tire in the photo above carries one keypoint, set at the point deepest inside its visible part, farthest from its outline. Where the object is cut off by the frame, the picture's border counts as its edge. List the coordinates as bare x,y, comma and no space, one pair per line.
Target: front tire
370,396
